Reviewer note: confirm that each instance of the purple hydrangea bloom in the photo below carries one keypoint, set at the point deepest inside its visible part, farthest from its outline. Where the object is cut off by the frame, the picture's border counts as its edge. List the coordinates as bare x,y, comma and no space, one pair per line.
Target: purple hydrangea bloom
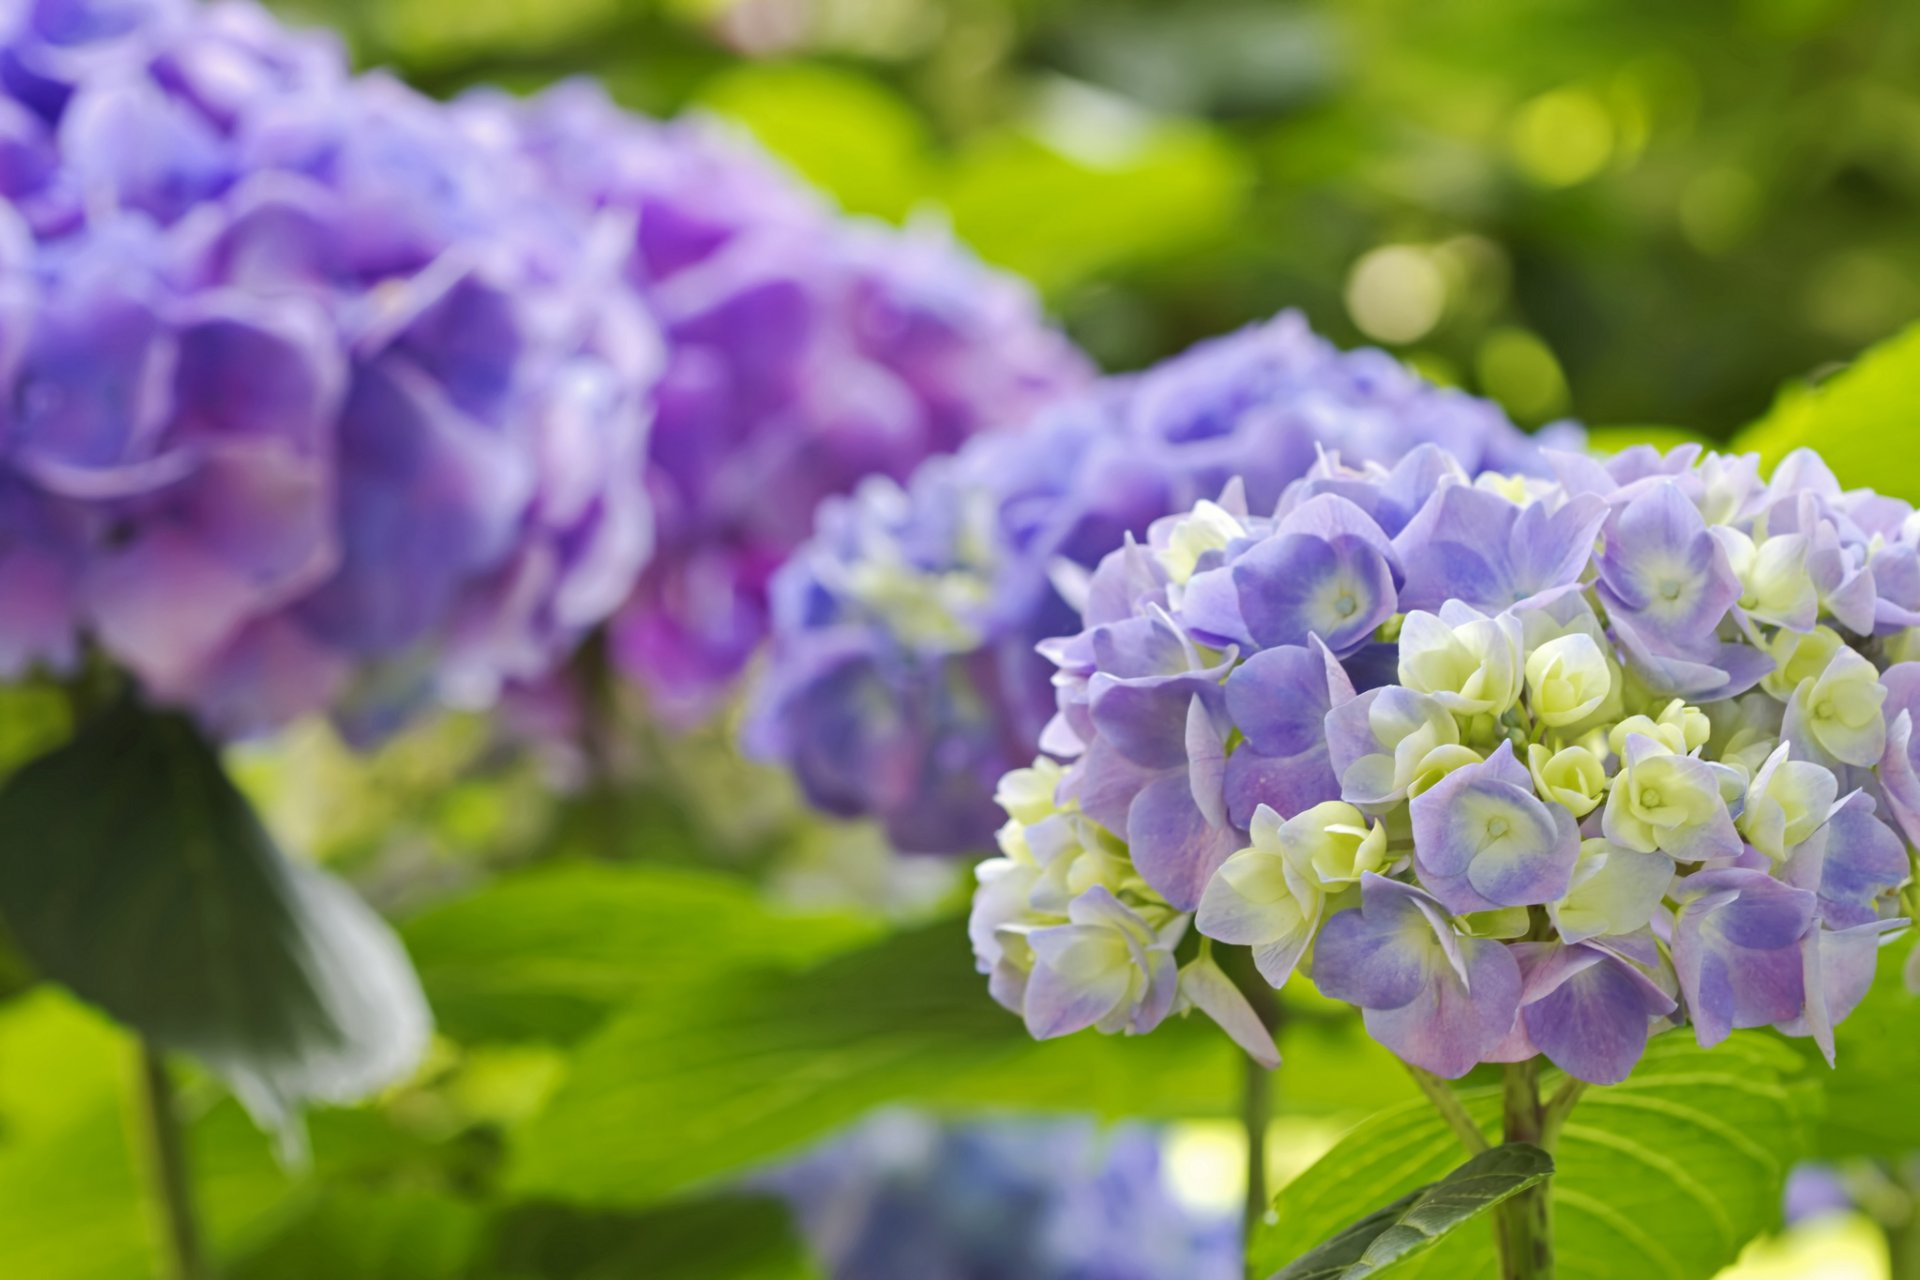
321,404
903,679
1562,802
903,1195
805,351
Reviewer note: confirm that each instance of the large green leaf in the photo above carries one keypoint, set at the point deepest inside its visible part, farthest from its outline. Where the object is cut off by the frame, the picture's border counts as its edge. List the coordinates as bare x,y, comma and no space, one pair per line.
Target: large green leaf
134,873
1057,218
725,1237
1860,420
845,133
709,1077
1868,1094
390,1234
1664,1177
545,955
1418,1220
72,1202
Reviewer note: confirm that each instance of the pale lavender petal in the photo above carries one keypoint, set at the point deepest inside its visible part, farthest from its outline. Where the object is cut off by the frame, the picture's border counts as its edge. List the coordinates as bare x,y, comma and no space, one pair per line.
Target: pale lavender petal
1173,845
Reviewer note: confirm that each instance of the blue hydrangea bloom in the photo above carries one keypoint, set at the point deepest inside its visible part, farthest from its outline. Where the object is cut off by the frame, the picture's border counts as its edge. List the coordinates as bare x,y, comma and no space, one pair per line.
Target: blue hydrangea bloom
1516,766
903,679
903,1195
805,351
313,401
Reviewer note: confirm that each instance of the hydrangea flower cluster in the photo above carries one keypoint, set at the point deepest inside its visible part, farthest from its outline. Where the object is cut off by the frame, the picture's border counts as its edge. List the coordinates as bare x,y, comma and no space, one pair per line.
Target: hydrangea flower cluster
1515,766
903,680
312,399
903,1195
805,352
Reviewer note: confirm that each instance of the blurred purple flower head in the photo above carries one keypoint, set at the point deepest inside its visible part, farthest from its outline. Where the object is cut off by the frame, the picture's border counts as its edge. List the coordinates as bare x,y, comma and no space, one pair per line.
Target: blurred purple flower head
1508,795
805,352
314,401
903,679
903,1195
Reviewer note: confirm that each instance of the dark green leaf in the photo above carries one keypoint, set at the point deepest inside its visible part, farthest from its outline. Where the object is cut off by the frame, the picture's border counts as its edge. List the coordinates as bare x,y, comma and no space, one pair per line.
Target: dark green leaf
546,954
1420,1218
1668,1175
133,872
728,1237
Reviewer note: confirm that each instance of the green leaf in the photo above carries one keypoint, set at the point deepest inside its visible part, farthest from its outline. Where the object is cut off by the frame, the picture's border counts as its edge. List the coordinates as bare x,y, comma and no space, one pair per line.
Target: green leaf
391,1234
1059,219
1868,1093
726,1073
849,135
1417,1220
1854,419
546,954
134,873
727,1237
1664,1177
75,1206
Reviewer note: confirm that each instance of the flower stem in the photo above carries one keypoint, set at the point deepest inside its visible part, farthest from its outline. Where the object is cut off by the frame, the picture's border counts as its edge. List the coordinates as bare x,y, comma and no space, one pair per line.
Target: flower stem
1447,1103
167,1168
1256,1111
1525,1222
1256,1101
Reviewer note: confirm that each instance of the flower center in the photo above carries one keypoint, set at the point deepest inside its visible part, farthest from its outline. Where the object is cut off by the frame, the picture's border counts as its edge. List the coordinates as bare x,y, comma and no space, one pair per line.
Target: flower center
1346,605
1823,710
1497,827
1650,797
1670,589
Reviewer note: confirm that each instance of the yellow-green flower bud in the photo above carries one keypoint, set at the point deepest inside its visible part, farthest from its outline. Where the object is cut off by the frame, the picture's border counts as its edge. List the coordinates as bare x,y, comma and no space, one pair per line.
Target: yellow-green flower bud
1568,679
1468,662
1027,794
1798,657
1840,710
1573,777
1211,527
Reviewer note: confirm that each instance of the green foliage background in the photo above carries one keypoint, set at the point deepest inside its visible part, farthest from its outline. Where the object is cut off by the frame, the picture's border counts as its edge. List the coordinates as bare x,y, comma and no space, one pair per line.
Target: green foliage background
1631,210
1637,213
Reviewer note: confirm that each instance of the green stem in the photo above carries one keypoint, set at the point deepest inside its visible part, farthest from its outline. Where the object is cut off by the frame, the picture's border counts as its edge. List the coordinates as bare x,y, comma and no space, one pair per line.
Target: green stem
1447,1103
1256,1103
1256,1112
167,1168
1525,1222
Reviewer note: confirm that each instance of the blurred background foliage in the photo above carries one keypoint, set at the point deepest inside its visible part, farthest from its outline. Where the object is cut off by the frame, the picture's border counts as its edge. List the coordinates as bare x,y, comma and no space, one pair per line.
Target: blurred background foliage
1646,215
1636,212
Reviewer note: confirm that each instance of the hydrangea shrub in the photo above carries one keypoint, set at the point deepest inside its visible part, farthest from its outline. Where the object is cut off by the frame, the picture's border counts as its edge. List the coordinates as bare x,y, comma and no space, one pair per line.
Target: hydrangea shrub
804,352
1516,766
313,401
903,681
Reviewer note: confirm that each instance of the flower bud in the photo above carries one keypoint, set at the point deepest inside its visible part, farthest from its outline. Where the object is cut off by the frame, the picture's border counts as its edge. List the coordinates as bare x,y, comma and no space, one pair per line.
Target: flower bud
1211,527
1775,586
1679,728
1573,777
1333,844
1797,657
1567,679
1786,803
1468,662
1839,711
1028,794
